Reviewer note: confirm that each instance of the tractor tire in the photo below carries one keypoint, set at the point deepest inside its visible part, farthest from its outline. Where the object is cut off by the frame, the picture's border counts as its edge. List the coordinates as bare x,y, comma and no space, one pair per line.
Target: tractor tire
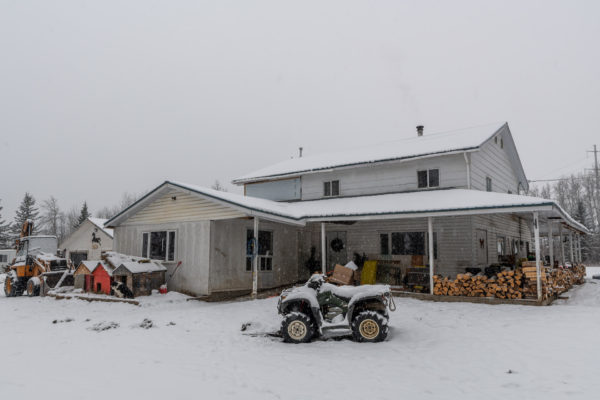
297,327
33,286
12,286
369,326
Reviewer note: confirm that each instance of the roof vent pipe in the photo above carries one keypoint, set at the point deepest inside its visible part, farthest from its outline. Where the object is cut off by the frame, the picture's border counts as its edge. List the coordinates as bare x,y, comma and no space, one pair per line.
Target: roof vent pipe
420,130
300,152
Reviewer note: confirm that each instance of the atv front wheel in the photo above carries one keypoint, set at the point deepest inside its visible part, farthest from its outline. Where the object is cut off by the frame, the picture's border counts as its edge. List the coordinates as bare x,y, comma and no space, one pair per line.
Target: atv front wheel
297,328
12,285
369,326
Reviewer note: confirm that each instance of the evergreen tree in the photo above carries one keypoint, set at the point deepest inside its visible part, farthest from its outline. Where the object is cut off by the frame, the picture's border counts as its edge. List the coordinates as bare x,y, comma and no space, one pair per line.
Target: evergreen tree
4,232
85,214
27,211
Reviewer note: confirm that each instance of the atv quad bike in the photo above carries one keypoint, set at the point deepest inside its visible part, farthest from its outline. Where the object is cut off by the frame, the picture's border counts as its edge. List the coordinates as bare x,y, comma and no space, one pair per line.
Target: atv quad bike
319,307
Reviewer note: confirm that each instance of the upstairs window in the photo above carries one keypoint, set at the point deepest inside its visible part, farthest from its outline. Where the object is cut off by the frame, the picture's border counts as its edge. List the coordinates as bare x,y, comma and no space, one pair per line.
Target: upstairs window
488,184
428,178
159,245
331,188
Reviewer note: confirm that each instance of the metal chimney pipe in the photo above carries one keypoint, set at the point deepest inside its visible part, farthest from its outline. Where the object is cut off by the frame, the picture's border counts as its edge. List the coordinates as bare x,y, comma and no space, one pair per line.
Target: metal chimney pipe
420,130
300,152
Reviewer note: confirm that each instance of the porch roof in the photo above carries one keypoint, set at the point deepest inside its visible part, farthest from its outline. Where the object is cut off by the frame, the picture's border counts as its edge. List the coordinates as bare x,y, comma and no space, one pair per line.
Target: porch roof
418,204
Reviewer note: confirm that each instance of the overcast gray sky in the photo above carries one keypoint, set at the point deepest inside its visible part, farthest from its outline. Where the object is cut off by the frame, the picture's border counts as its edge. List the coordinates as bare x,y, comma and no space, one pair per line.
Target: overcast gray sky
102,97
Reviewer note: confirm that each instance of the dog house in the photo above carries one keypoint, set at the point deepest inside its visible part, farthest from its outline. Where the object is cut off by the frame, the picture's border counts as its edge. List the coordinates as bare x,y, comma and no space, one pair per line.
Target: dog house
83,274
140,277
100,279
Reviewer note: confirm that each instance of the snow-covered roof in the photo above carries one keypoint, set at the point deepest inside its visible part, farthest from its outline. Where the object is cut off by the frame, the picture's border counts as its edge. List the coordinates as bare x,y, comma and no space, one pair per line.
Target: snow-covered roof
142,267
411,147
99,222
441,202
106,266
89,264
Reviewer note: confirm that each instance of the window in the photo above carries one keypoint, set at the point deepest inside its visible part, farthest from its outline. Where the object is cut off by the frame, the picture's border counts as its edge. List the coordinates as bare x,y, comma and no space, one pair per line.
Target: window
159,245
3,258
405,243
501,143
265,250
501,246
428,178
331,188
488,184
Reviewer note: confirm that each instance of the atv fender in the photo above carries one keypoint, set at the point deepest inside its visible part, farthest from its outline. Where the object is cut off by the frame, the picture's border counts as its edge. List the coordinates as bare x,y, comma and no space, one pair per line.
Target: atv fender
301,304
374,303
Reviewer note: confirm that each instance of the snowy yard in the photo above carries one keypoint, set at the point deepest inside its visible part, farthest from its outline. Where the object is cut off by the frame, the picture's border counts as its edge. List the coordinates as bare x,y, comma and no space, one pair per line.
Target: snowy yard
196,350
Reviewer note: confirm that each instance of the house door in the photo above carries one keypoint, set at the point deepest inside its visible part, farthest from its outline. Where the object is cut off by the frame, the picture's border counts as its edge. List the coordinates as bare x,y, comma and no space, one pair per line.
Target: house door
482,247
336,249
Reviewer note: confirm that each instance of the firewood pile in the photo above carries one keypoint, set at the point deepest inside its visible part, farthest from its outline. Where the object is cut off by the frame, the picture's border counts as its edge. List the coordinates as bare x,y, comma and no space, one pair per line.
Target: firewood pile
520,283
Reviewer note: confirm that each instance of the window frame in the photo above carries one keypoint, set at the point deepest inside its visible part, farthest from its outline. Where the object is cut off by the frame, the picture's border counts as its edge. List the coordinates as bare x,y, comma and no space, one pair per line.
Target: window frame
427,172
146,252
265,261
328,188
390,249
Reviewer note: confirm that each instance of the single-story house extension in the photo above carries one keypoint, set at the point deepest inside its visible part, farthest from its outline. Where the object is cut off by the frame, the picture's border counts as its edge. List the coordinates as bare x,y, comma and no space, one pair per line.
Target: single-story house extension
88,241
452,199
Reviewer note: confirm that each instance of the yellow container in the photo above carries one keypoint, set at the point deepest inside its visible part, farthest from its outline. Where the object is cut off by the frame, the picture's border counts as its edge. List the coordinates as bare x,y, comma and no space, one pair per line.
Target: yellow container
369,272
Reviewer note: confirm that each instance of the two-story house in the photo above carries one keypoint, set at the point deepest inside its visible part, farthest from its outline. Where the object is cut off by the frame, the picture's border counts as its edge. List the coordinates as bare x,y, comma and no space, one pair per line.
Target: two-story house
449,200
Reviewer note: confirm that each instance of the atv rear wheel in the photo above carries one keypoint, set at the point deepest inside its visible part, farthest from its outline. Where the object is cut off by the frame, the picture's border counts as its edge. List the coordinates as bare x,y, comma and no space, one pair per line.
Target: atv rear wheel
297,327
12,285
369,326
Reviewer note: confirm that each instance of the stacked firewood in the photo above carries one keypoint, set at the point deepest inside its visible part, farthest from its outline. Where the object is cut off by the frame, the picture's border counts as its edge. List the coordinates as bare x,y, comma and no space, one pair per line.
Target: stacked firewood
504,285
510,284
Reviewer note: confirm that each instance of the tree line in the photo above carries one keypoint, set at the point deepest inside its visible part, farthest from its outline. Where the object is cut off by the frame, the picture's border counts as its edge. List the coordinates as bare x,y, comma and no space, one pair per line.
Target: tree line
49,219
578,195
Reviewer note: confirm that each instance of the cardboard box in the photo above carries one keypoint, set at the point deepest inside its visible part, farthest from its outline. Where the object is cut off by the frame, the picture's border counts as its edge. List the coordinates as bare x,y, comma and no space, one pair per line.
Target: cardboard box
342,275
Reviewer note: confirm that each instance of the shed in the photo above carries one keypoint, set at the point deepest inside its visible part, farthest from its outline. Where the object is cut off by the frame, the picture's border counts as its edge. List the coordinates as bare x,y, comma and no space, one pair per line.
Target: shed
88,241
140,277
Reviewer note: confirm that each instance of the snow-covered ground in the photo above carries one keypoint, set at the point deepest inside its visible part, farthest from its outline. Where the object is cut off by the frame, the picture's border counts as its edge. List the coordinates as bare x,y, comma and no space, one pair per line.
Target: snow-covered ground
196,350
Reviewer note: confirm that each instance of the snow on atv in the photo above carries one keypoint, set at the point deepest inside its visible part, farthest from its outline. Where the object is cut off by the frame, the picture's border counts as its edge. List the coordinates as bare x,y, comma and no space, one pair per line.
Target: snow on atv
319,307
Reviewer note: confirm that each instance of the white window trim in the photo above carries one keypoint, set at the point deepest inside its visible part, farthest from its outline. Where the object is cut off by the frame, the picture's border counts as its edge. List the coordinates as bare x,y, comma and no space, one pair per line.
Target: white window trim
266,271
427,170
331,188
167,244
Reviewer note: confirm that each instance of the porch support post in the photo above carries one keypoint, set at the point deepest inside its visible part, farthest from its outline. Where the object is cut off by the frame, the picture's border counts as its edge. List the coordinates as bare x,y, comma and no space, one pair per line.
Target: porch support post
255,260
551,243
323,250
579,259
562,245
430,229
536,229
571,244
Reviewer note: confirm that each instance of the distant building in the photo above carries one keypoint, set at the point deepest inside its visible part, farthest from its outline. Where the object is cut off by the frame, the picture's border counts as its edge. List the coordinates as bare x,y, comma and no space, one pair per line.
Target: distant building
88,241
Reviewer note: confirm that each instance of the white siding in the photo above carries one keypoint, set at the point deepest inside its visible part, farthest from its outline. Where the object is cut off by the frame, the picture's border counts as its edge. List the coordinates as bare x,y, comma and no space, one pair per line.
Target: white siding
81,240
228,256
191,248
505,225
279,190
493,161
386,178
186,207
453,238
